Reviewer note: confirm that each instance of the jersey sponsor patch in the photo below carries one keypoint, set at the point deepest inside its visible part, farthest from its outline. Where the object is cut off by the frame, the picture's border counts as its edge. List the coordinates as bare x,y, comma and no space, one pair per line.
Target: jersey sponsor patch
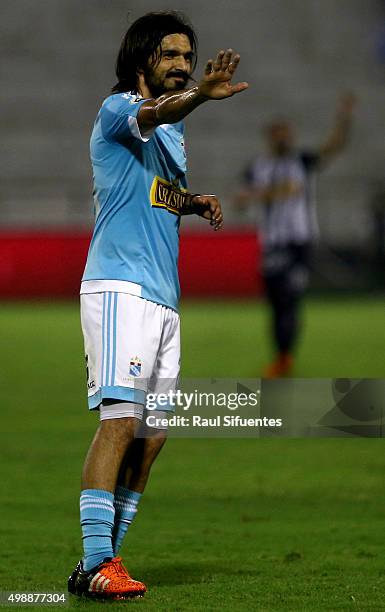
164,194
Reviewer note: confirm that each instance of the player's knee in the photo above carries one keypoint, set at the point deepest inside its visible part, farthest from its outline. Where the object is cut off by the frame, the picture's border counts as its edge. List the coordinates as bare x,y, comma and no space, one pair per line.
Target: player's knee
142,462
158,440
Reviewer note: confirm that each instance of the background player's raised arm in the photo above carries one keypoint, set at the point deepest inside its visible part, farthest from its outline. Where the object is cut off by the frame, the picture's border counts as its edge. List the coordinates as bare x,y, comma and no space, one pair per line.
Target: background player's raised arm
335,143
174,106
339,135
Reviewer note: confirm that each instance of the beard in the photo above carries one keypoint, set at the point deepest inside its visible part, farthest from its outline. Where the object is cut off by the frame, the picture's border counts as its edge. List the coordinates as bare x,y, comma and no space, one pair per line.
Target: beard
159,85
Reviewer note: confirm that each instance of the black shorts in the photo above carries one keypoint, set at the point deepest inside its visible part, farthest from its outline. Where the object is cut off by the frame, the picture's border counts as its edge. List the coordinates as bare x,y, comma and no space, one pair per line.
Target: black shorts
287,268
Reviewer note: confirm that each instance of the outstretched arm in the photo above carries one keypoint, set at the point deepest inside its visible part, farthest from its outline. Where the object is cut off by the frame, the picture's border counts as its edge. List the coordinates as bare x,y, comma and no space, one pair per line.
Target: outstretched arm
174,106
266,195
339,135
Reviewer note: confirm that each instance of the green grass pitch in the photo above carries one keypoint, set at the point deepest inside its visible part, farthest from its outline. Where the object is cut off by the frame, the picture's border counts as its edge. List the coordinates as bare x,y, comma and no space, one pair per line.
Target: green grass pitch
264,524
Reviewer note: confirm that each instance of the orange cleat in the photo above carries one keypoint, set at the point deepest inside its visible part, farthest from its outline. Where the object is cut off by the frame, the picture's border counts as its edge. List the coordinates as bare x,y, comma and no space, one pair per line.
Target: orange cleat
280,368
109,580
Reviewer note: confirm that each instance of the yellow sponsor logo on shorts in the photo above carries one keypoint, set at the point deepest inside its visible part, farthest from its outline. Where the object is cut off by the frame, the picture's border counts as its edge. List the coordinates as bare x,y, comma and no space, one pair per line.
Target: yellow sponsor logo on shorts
164,194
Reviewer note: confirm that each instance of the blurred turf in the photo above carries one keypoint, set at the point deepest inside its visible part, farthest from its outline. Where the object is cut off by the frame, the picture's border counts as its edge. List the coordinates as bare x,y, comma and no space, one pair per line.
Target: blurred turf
341,338
225,524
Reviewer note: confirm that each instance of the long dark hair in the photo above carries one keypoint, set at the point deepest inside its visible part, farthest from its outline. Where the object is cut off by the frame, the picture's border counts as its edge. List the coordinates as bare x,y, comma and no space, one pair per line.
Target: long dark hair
142,41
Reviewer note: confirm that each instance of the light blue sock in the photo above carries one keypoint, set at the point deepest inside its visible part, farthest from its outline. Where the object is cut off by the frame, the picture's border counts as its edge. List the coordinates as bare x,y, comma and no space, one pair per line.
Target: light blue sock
97,521
126,506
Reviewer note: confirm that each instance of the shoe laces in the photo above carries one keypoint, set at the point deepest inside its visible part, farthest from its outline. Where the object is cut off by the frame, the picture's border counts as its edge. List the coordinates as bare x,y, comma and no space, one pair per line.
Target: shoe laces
117,566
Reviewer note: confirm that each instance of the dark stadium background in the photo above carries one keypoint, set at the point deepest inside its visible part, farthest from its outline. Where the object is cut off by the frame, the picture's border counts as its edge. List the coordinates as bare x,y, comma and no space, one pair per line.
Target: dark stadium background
264,524
298,56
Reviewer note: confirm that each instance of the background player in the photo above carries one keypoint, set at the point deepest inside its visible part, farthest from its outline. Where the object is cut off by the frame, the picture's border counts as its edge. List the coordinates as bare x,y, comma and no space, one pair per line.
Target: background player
281,182
130,288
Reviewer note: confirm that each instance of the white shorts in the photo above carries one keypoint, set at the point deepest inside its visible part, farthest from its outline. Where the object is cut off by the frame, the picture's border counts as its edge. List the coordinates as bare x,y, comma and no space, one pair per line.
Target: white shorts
132,347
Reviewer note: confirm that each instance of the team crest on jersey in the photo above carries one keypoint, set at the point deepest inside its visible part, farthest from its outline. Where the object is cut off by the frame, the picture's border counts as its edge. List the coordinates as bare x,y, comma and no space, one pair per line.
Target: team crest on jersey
135,366
164,194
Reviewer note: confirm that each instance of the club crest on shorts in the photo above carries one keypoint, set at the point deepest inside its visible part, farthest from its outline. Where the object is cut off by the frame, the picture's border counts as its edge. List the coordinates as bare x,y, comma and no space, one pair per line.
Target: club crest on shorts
135,366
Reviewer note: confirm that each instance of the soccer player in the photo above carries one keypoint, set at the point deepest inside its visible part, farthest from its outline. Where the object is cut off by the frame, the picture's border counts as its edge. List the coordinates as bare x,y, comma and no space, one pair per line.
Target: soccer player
130,288
282,182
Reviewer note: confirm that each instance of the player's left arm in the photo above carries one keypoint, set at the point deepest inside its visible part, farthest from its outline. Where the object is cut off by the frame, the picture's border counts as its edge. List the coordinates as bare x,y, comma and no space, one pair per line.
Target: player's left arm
339,135
206,206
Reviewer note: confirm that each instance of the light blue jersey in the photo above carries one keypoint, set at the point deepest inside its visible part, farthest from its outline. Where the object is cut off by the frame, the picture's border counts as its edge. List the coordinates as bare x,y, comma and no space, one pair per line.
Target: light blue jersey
138,186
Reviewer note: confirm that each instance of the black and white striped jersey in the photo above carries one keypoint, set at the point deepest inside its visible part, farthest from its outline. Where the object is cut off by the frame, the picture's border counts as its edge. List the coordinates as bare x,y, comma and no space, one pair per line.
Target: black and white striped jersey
290,219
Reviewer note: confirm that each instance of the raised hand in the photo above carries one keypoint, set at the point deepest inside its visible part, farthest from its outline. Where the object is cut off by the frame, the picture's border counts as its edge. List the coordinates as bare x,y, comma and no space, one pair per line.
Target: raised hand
216,82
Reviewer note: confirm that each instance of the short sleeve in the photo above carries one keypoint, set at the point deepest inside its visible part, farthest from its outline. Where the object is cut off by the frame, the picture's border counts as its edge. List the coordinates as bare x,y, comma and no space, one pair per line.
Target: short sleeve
310,160
118,118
